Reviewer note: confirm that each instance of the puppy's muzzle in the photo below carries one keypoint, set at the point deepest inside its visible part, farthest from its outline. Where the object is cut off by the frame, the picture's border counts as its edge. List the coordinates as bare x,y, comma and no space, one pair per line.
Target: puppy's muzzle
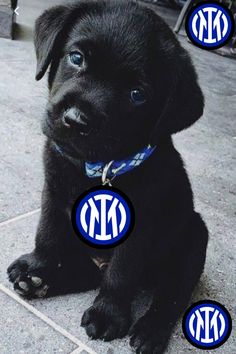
74,119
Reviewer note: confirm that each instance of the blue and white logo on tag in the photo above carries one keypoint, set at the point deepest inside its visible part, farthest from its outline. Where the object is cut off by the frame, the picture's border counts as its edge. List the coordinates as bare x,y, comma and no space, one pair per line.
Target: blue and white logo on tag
209,25
207,324
103,217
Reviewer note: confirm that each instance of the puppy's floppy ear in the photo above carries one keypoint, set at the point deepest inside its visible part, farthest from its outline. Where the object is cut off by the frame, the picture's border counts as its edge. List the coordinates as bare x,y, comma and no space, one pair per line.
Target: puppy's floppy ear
48,28
184,102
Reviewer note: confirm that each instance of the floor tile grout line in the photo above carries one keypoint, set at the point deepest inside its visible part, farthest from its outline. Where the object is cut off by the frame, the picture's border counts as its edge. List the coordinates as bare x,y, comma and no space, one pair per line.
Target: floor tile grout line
46,319
19,217
77,351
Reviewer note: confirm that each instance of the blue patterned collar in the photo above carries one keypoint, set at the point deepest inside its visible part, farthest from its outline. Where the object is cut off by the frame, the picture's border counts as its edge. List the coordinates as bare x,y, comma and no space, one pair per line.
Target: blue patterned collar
113,168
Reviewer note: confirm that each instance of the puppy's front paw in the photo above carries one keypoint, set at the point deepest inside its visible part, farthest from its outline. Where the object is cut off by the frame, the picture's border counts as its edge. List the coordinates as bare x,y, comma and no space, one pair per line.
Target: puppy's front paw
148,337
106,320
30,276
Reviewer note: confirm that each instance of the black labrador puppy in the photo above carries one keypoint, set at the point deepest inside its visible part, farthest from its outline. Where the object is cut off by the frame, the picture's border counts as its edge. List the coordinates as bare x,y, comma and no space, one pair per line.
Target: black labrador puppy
119,81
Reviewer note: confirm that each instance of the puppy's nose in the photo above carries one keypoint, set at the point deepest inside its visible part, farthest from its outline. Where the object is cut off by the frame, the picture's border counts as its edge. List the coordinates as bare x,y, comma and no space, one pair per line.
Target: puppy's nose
73,118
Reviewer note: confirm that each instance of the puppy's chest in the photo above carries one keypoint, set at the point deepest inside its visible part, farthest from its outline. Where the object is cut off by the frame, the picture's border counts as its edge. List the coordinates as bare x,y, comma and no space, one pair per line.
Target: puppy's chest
100,258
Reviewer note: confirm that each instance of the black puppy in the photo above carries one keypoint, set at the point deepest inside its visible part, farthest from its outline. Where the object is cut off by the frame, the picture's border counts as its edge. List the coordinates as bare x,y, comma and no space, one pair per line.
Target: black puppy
119,81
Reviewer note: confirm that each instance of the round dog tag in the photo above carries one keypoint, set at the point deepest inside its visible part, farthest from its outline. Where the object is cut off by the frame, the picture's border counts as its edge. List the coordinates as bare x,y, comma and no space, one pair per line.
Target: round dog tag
103,217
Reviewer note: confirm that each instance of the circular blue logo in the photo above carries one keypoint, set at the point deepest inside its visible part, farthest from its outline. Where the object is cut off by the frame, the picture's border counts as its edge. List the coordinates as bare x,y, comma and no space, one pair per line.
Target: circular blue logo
209,25
207,324
103,217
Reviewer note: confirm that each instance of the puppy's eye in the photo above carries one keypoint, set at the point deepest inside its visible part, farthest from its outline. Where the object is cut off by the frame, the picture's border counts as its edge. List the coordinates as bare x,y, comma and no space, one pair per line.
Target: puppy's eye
77,58
137,97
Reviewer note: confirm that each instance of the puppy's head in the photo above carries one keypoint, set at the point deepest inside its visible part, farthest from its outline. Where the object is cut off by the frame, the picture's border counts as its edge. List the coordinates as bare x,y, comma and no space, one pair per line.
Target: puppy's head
118,79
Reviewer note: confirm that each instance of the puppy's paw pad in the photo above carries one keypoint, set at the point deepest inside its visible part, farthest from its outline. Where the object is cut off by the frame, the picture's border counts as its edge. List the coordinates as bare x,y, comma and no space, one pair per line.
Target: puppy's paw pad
26,288
24,274
36,281
23,286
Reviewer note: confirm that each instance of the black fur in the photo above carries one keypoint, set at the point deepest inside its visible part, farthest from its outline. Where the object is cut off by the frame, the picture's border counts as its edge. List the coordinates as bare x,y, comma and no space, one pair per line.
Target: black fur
125,46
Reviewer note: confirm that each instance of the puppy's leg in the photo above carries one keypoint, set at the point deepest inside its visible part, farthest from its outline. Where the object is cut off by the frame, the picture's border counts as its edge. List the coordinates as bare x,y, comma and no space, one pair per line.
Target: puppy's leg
173,292
53,267
109,317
